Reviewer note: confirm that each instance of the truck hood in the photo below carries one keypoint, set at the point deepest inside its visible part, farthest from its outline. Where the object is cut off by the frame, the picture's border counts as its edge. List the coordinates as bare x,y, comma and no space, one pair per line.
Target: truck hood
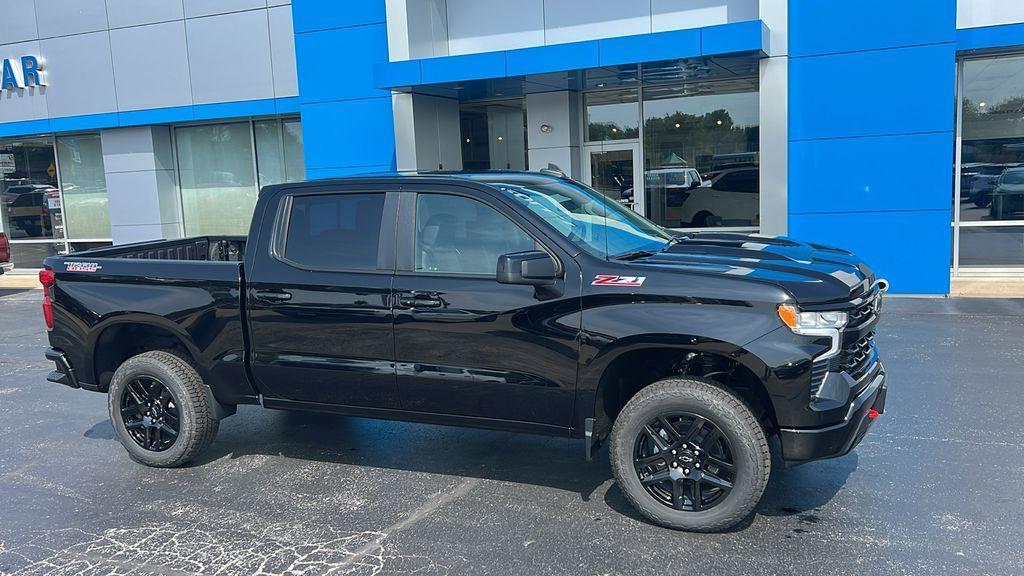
812,273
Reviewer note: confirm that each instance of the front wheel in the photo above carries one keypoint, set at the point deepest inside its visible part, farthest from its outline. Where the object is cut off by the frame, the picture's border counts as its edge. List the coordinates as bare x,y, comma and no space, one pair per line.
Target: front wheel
689,454
160,411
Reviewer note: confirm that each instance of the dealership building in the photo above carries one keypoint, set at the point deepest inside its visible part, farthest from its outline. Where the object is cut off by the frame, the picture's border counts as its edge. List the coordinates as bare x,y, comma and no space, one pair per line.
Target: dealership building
893,129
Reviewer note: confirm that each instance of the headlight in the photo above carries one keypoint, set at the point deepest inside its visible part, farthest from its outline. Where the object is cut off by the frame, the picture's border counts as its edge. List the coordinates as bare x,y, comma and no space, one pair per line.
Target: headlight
811,323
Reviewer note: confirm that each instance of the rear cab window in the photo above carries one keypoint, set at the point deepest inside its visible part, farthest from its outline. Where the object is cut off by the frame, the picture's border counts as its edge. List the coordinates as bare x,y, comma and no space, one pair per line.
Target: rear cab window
333,231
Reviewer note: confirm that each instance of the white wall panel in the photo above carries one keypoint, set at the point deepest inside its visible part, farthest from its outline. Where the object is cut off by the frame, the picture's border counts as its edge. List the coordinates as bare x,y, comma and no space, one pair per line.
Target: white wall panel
282,46
484,26
152,66
19,21
230,57
974,13
25,104
79,75
63,17
196,8
122,13
680,14
576,20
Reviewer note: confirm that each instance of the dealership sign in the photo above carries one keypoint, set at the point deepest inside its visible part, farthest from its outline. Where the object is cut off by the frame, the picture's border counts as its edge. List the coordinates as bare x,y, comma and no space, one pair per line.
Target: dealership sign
21,73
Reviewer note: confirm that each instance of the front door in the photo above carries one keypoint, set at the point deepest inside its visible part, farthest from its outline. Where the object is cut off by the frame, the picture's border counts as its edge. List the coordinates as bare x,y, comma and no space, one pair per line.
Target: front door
614,169
320,300
467,345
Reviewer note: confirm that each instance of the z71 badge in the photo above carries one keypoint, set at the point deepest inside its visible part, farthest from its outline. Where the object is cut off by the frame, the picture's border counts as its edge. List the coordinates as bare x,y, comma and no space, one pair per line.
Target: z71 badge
610,280
82,266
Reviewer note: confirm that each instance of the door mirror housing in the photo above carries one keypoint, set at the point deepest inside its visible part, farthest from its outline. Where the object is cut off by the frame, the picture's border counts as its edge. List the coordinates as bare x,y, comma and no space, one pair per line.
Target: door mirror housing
532,268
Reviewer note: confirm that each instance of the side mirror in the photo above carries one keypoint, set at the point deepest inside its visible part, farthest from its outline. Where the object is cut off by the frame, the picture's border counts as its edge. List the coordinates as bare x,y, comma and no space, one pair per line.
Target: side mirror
532,268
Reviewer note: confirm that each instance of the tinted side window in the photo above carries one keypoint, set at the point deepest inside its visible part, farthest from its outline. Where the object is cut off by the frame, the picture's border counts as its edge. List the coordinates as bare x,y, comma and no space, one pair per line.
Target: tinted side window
339,231
457,235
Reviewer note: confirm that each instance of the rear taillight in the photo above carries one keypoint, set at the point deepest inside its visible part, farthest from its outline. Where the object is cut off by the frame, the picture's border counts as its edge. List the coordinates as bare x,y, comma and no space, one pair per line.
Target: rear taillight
5,248
47,279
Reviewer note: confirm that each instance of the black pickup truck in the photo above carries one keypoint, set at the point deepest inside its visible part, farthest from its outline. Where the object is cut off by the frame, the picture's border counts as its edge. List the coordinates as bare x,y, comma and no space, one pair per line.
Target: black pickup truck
516,301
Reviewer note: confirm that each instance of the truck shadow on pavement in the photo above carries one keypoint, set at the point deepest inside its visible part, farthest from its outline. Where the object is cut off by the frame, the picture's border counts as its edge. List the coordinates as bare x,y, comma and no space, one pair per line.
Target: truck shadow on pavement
491,455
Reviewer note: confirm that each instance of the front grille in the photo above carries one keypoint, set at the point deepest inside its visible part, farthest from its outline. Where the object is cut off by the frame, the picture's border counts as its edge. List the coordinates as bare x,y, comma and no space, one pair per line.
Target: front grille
865,311
856,360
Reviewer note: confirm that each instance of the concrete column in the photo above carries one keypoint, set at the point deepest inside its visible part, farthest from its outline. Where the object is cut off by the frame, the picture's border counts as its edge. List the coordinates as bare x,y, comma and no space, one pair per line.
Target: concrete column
773,111
427,133
560,145
142,184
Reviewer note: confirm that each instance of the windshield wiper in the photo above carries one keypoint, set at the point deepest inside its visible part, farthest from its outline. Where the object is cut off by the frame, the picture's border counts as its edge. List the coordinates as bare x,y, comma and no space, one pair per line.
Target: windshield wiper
672,242
635,255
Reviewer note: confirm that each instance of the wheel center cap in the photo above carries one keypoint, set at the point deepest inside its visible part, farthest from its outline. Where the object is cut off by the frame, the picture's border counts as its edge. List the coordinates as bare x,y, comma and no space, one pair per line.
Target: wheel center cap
686,457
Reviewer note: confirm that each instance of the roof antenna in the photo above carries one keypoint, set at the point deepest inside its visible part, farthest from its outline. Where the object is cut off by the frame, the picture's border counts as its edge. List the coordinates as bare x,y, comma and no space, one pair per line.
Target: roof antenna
553,170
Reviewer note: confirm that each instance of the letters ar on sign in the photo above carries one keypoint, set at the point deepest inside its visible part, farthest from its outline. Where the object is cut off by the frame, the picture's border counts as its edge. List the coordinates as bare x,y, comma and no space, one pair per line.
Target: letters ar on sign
18,73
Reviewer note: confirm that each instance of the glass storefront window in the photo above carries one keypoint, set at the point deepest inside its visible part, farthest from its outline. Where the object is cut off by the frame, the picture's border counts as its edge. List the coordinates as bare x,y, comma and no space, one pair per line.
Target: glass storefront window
701,154
84,187
992,129
992,246
612,115
218,179
991,170
30,199
493,135
279,152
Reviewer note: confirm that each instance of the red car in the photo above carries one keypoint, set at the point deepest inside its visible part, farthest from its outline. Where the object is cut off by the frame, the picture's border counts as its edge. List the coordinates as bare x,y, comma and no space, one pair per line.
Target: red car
5,254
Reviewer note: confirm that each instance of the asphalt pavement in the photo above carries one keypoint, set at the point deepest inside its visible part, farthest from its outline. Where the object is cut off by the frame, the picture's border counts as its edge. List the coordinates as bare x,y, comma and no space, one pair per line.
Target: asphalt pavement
937,487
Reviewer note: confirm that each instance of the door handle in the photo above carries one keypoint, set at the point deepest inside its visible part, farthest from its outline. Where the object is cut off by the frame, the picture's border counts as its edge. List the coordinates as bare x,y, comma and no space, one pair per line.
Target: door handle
421,300
272,296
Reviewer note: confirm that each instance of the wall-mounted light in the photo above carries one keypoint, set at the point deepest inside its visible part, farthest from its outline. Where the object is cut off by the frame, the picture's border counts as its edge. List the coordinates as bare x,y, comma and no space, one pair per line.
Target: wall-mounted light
467,140
677,124
546,128
500,138
719,122
615,129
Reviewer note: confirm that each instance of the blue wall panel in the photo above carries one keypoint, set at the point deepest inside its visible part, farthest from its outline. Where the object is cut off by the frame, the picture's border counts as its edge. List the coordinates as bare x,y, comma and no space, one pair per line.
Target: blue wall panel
347,122
911,249
831,26
349,133
748,36
554,58
896,172
871,119
875,92
338,64
650,47
986,37
312,15
464,67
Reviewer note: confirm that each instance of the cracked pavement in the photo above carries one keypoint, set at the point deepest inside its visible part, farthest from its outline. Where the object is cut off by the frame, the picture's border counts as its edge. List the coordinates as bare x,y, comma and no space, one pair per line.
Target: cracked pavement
935,487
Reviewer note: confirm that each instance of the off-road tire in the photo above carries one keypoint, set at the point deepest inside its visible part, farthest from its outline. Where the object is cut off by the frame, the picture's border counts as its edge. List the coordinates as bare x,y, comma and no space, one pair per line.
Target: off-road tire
198,424
733,417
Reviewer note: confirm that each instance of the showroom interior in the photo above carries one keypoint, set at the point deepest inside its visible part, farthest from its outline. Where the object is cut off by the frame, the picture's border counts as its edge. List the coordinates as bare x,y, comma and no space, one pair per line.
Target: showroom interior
893,131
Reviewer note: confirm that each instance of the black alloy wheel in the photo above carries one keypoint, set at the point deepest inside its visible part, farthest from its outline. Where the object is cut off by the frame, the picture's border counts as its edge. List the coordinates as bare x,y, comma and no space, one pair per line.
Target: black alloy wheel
151,413
684,461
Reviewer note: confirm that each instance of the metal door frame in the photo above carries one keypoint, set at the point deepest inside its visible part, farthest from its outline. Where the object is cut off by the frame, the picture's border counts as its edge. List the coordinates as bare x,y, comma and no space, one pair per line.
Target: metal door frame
639,194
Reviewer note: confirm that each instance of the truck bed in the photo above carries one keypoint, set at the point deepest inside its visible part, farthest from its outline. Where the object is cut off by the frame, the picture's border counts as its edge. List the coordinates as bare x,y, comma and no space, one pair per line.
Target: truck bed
198,248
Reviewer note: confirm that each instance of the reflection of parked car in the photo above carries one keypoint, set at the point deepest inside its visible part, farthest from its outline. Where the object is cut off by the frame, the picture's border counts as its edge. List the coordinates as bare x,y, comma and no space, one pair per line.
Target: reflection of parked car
11,193
30,212
1007,199
981,180
5,254
731,200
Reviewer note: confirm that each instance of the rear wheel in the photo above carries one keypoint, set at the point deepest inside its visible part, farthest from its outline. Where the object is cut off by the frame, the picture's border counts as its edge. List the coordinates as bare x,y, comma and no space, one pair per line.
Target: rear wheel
159,409
689,454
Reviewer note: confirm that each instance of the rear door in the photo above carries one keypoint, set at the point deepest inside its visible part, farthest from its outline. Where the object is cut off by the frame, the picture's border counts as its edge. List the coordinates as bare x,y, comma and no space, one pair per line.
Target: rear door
319,296
465,344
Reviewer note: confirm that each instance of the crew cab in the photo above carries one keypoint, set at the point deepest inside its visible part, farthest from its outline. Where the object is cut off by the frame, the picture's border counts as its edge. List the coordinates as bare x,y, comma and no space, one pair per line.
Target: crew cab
506,300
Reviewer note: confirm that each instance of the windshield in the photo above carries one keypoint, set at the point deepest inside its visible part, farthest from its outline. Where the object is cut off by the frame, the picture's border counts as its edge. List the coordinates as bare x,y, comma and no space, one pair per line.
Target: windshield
1013,177
598,225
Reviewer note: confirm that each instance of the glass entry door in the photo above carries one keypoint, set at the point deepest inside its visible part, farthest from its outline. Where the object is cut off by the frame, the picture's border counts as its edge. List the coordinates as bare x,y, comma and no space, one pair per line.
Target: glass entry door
614,170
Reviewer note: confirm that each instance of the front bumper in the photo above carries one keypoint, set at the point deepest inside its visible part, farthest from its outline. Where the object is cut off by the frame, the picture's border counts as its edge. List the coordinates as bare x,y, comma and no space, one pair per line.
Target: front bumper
805,444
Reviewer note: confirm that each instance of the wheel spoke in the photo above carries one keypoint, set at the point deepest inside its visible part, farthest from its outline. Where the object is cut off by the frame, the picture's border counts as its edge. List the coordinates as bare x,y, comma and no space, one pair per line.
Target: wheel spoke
720,463
716,481
137,392
133,411
641,463
698,423
168,430
156,435
677,494
656,478
133,425
698,504
656,438
165,397
673,434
